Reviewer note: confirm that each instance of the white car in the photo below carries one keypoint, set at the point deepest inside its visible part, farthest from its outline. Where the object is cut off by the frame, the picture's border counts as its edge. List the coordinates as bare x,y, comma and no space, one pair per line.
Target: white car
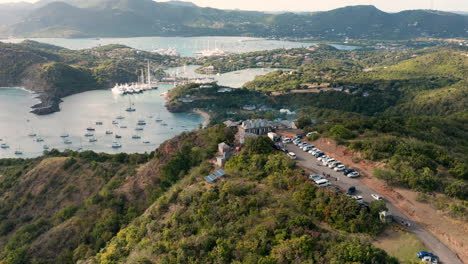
287,140
339,168
328,161
355,197
322,158
376,197
292,155
333,164
353,174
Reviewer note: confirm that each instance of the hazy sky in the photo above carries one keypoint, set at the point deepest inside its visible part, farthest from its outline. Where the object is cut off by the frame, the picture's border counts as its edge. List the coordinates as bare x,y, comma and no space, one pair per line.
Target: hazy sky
314,5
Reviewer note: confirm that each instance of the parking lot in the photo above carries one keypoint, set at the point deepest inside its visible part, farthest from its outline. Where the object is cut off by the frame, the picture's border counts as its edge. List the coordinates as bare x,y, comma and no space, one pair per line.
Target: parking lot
311,164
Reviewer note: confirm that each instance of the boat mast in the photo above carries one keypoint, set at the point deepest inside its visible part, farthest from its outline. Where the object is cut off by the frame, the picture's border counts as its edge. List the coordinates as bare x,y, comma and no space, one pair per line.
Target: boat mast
149,74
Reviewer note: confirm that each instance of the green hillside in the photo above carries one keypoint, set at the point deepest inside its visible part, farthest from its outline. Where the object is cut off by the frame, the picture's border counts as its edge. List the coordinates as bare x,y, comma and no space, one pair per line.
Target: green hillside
54,72
157,208
123,18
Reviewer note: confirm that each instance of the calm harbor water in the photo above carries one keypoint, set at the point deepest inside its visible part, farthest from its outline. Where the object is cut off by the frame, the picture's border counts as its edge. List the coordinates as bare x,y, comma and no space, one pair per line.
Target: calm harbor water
80,111
186,46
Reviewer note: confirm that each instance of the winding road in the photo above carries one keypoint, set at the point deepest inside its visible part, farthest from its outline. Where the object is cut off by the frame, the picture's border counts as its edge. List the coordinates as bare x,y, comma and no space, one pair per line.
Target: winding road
309,162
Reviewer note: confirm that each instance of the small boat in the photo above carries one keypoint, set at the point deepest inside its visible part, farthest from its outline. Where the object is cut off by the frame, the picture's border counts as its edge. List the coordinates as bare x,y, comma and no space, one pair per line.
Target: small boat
89,134
99,123
116,145
108,132
130,109
45,147
67,141
80,149
93,139
146,142
141,123
90,129
115,122
64,135
39,139
150,116
136,137
32,134
4,146
139,129
163,124
159,120
120,117
118,136
18,152
123,126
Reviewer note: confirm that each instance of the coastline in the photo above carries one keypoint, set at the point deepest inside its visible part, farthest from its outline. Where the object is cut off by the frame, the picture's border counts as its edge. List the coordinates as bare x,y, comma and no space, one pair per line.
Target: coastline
205,115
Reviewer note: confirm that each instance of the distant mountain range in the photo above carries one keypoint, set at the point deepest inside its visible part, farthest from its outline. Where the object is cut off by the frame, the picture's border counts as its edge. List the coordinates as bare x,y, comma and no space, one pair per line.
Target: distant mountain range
130,18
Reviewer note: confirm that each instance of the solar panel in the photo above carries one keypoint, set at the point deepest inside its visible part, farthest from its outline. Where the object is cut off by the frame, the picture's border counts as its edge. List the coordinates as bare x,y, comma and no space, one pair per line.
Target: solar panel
210,178
219,173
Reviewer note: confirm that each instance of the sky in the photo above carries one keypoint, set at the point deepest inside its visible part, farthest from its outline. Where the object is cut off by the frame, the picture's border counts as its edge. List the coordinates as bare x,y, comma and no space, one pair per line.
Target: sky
322,5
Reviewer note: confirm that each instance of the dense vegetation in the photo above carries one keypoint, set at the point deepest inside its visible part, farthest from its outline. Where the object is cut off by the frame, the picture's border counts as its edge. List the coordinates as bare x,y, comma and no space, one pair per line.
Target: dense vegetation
64,207
121,18
408,110
264,211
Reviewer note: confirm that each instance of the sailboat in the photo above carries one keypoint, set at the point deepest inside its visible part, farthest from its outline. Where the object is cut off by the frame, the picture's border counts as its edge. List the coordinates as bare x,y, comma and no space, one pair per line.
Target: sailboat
130,108
18,152
159,118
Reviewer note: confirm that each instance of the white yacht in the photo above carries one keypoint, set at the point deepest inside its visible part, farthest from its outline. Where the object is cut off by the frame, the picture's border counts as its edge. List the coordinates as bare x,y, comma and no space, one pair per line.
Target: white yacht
67,141
89,134
108,132
116,145
64,135
93,139
45,147
136,137
4,146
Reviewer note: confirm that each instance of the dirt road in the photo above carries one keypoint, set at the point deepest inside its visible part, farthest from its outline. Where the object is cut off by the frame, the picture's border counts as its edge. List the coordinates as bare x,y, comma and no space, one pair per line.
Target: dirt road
309,162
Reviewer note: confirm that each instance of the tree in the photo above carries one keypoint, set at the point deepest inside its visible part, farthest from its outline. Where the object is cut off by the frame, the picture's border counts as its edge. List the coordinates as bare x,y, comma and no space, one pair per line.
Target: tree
303,122
259,145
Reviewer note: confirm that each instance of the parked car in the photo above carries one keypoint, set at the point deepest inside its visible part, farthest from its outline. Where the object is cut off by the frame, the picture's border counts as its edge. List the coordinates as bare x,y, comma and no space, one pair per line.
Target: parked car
422,254
311,133
292,155
322,158
355,197
287,140
315,177
322,183
351,190
376,197
334,164
348,171
353,174
340,167
429,259
328,161
362,203
319,154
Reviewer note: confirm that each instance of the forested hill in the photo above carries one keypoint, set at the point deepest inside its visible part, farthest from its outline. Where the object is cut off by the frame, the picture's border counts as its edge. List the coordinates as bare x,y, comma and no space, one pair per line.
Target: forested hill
54,72
123,18
157,208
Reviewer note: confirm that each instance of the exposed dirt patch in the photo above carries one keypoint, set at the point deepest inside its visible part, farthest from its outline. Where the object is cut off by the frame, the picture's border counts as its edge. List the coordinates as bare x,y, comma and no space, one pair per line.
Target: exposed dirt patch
453,233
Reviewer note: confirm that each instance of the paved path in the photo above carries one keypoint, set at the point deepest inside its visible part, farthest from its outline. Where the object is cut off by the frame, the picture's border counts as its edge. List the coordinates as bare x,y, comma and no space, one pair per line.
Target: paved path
308,161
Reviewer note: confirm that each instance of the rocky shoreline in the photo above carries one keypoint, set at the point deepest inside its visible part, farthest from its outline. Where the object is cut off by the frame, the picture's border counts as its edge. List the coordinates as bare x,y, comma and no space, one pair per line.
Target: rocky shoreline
46,106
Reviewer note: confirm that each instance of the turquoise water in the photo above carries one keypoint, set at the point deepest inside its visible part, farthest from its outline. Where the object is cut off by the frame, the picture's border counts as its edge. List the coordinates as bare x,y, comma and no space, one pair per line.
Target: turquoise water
185,46
83,110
